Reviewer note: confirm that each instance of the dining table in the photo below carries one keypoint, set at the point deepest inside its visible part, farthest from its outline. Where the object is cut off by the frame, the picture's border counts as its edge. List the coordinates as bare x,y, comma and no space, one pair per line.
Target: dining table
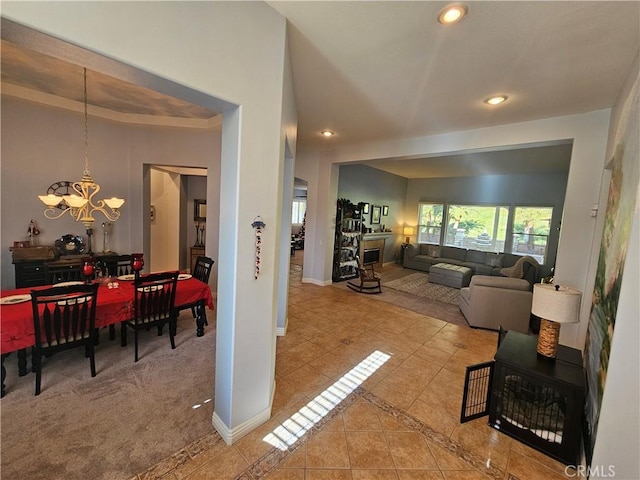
114,305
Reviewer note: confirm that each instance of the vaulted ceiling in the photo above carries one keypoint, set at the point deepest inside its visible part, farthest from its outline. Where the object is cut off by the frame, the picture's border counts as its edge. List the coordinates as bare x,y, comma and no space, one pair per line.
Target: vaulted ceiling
379,71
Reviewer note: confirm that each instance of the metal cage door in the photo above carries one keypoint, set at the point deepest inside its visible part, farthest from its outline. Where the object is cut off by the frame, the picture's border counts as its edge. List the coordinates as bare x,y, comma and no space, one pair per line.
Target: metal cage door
477,391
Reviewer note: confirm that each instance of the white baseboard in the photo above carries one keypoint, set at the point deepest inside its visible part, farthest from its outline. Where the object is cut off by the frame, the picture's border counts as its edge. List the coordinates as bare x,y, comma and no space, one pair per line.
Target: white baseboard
282,331
234,434
320,283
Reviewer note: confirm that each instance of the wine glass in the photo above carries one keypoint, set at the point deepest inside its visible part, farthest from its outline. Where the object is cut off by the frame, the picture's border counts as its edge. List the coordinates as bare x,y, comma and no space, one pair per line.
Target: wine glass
88,269
137,262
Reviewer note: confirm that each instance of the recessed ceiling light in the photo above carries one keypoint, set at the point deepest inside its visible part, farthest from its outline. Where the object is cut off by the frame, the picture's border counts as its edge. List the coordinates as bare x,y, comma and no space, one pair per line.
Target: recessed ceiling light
452,14
327,133
497,100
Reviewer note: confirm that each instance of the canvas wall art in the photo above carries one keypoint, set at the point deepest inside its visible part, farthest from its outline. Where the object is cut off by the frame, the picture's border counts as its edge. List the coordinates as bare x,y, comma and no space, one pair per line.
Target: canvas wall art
621,204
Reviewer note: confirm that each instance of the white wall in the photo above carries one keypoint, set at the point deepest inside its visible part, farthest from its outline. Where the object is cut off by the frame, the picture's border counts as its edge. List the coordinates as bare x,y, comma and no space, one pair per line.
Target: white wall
233,52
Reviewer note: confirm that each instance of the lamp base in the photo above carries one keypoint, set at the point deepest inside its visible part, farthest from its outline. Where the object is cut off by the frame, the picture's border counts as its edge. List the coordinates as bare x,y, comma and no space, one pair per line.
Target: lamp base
548,338
408,240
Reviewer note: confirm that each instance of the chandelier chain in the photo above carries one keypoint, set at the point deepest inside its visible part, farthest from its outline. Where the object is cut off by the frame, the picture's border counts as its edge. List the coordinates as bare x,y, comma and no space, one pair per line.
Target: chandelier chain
86,128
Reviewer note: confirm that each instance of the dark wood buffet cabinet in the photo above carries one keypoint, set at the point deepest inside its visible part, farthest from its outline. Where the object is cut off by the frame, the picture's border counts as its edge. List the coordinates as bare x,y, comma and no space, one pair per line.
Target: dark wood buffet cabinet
31,264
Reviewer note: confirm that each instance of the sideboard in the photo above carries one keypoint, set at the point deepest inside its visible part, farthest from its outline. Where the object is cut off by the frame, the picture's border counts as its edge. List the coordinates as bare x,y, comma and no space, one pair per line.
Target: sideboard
30,264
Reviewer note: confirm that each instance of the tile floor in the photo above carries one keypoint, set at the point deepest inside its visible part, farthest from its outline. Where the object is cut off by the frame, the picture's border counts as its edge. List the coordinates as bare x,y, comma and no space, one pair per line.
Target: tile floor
367,389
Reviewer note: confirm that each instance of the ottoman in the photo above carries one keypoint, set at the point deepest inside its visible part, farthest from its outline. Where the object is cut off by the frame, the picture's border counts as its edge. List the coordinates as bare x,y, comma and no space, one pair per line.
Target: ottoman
454,276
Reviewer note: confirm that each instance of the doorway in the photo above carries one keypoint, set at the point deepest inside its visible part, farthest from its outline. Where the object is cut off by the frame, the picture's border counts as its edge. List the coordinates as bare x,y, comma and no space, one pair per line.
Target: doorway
177,225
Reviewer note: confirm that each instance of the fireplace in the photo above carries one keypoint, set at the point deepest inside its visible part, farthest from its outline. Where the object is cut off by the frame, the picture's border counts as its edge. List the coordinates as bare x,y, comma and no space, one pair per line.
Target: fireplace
371,255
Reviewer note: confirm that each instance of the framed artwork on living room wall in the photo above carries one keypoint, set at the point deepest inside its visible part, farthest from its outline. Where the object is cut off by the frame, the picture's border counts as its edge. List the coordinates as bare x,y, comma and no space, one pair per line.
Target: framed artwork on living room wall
376,210
385,210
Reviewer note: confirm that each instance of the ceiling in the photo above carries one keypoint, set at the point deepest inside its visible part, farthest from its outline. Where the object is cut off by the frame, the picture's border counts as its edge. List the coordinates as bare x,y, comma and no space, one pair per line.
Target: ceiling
382,70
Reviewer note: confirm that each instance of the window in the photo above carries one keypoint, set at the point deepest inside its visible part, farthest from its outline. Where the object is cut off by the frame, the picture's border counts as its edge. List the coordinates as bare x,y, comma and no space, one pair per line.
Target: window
429,222
297,211
531,228
477,227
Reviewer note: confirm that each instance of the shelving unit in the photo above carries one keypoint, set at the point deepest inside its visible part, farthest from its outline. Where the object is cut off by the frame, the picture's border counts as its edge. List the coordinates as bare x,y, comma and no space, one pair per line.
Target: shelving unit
348,235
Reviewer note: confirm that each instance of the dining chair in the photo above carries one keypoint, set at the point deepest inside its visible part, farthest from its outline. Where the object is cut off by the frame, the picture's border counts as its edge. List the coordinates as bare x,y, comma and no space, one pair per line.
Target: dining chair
118,265
62,273
63,318
202,272
369,279
154,305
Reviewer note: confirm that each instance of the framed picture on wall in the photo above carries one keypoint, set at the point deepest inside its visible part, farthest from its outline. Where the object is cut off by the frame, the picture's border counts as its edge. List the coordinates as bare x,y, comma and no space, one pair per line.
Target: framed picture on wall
385,210
199,210
375,214
365,208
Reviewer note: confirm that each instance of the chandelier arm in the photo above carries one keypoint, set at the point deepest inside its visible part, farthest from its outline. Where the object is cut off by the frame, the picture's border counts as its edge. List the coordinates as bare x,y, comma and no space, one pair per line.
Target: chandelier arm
54,214
111,215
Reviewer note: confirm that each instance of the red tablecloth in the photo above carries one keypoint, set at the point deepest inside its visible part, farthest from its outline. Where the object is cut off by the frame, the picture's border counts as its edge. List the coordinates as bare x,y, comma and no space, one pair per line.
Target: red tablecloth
114,305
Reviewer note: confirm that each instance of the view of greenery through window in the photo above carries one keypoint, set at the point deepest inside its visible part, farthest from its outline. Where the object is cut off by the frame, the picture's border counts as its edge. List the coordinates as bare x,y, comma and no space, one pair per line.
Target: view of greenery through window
531,227
477,227
484,227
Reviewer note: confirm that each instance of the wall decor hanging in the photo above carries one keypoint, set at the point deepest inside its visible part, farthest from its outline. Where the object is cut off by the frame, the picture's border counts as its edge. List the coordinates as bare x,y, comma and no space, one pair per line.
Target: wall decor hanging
258,224
376,210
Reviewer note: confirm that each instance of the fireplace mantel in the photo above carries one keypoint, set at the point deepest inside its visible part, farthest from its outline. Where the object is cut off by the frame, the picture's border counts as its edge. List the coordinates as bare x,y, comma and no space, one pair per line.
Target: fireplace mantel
377,235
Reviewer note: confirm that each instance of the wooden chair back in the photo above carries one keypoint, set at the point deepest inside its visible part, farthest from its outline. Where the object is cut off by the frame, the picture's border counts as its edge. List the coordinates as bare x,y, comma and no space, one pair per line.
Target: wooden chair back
63,318
202,269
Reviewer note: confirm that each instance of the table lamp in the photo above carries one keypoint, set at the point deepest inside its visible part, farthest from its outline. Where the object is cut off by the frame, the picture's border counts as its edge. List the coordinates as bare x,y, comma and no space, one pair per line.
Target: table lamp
408,232
554,305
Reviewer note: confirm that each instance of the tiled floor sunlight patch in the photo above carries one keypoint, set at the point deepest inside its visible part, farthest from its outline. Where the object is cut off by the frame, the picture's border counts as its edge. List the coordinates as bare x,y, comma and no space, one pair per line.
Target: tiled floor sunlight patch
304,419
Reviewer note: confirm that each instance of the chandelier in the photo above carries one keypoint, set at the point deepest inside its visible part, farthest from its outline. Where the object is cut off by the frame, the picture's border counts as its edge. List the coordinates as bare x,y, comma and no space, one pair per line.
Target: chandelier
78,199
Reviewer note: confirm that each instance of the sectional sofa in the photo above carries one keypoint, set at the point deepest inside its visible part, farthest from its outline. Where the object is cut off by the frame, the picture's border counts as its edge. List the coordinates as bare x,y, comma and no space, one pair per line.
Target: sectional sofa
423,256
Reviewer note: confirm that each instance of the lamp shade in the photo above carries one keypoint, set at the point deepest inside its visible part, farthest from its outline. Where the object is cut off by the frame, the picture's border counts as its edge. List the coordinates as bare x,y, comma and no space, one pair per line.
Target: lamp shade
556,303
407,231
50,200
114,203
75,201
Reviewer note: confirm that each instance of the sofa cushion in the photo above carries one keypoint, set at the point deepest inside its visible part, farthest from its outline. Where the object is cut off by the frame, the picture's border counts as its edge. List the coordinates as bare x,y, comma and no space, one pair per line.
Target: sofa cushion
500,282
426,259
509,259
478,268
475,256
493,260
454,253
433,251
423,249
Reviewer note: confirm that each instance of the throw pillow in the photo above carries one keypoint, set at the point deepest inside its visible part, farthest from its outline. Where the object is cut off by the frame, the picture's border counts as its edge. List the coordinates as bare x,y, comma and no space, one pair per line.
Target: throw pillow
493,260
433,251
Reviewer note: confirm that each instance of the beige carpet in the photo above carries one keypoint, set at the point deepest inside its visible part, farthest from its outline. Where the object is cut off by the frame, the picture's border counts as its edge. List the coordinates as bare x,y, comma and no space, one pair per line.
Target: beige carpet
418,284
113,426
